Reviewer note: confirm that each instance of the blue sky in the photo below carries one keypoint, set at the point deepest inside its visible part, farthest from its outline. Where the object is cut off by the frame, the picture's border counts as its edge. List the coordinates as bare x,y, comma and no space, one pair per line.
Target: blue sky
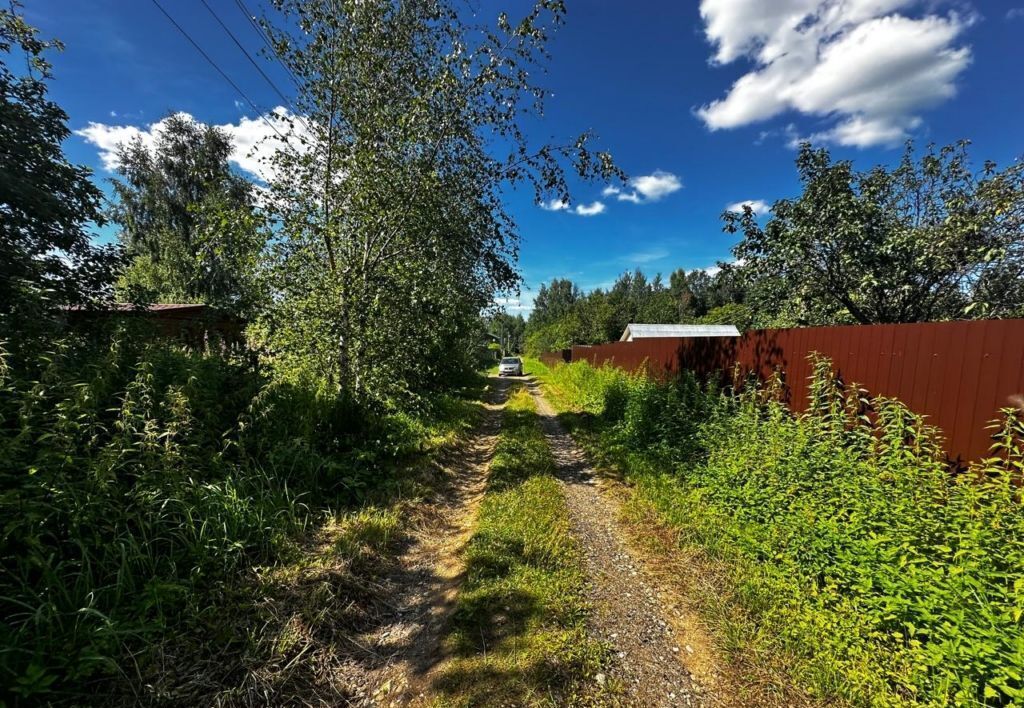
700,102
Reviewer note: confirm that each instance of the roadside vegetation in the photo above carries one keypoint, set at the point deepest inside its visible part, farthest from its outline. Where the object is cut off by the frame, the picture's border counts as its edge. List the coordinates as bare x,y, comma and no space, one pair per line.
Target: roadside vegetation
181,520
518,633
842,554
143,480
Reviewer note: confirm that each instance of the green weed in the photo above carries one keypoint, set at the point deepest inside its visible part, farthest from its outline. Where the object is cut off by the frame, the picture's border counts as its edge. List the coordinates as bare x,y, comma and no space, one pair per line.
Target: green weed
140,481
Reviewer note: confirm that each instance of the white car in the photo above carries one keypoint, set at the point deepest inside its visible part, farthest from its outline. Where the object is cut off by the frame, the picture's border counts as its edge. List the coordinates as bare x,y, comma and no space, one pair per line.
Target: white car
510,366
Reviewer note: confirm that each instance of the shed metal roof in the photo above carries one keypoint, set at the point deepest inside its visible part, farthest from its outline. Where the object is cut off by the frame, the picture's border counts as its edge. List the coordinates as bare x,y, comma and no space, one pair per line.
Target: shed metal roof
129,307
646,331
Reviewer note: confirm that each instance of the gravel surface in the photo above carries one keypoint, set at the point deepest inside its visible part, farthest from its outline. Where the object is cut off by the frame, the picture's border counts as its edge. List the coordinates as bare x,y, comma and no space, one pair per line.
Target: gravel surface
648,656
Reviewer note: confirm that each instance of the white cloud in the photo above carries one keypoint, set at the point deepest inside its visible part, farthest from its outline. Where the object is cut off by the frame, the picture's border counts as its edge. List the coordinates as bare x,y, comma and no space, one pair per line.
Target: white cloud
654,187
254,139
555,205
758,206
642,257
858,62
109,137
717,267
592,209
646,188
1015,13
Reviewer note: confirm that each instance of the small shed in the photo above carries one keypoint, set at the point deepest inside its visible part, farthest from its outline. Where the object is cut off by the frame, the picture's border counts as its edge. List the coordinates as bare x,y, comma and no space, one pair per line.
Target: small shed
193,323
648,331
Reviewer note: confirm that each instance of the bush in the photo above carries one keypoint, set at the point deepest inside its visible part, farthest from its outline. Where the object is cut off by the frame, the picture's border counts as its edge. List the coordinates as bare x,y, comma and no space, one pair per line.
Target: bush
848,541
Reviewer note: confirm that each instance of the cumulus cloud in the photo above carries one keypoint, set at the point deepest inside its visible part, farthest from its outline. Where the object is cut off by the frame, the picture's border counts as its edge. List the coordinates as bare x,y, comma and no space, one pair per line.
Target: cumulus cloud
1015,13
253,139
592,209
717,267
860,63
758,206
523,304
555,205
646,188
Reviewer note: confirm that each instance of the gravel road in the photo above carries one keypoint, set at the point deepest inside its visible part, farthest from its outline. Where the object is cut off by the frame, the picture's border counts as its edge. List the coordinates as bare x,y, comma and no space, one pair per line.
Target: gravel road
649,657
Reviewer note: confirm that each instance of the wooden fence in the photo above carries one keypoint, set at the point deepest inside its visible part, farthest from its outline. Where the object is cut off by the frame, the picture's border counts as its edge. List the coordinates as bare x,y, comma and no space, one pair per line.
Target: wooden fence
959,374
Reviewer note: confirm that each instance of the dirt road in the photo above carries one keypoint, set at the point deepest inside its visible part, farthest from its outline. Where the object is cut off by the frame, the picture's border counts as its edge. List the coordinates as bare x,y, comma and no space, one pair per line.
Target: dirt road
649,653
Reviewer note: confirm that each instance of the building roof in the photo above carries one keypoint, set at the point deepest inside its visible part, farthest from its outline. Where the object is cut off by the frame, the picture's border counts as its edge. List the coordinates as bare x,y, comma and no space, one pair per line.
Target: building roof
129,307
646,331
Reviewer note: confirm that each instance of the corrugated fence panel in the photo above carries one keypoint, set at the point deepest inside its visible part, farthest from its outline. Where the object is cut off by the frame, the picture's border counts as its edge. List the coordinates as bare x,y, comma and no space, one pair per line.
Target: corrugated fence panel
959,374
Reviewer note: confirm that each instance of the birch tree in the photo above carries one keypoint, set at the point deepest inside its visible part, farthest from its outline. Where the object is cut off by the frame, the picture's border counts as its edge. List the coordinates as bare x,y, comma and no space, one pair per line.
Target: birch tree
392,235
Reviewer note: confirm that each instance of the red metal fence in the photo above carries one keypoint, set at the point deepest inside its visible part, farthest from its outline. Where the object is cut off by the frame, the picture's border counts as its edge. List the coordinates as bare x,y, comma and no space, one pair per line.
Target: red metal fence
558,357
959,374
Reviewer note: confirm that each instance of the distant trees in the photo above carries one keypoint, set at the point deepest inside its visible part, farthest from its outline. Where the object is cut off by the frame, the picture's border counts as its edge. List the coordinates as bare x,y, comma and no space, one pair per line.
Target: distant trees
554,301
929,239
509,329
188,221
563,315
46,203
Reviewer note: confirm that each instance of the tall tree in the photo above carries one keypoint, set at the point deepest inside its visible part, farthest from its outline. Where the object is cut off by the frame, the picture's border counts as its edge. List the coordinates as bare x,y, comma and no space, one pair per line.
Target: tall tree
393,236
187,220
47,257
929,239
509,329
554,301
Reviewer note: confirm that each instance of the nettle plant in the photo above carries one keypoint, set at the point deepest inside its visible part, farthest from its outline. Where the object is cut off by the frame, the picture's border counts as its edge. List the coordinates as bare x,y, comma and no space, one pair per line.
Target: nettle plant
903,576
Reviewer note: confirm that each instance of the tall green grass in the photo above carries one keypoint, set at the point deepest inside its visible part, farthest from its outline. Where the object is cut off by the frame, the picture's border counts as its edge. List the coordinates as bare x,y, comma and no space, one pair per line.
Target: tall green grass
138,479
848,546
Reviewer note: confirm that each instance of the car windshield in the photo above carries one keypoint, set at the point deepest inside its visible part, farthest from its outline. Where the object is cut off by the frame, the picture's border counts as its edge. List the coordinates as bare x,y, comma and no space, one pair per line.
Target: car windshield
509,360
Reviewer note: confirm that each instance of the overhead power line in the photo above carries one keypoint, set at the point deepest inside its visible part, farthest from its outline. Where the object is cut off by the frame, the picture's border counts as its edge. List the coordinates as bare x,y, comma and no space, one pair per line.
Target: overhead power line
287,101
220,71
248,56
267,41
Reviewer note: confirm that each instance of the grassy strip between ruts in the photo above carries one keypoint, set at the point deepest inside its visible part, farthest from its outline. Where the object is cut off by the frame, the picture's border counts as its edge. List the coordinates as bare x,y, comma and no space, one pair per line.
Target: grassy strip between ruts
518,634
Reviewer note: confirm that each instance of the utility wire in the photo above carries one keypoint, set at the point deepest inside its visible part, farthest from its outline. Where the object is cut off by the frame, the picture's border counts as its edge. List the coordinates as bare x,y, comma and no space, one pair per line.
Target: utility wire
220,71
287,101
266,40
248,56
